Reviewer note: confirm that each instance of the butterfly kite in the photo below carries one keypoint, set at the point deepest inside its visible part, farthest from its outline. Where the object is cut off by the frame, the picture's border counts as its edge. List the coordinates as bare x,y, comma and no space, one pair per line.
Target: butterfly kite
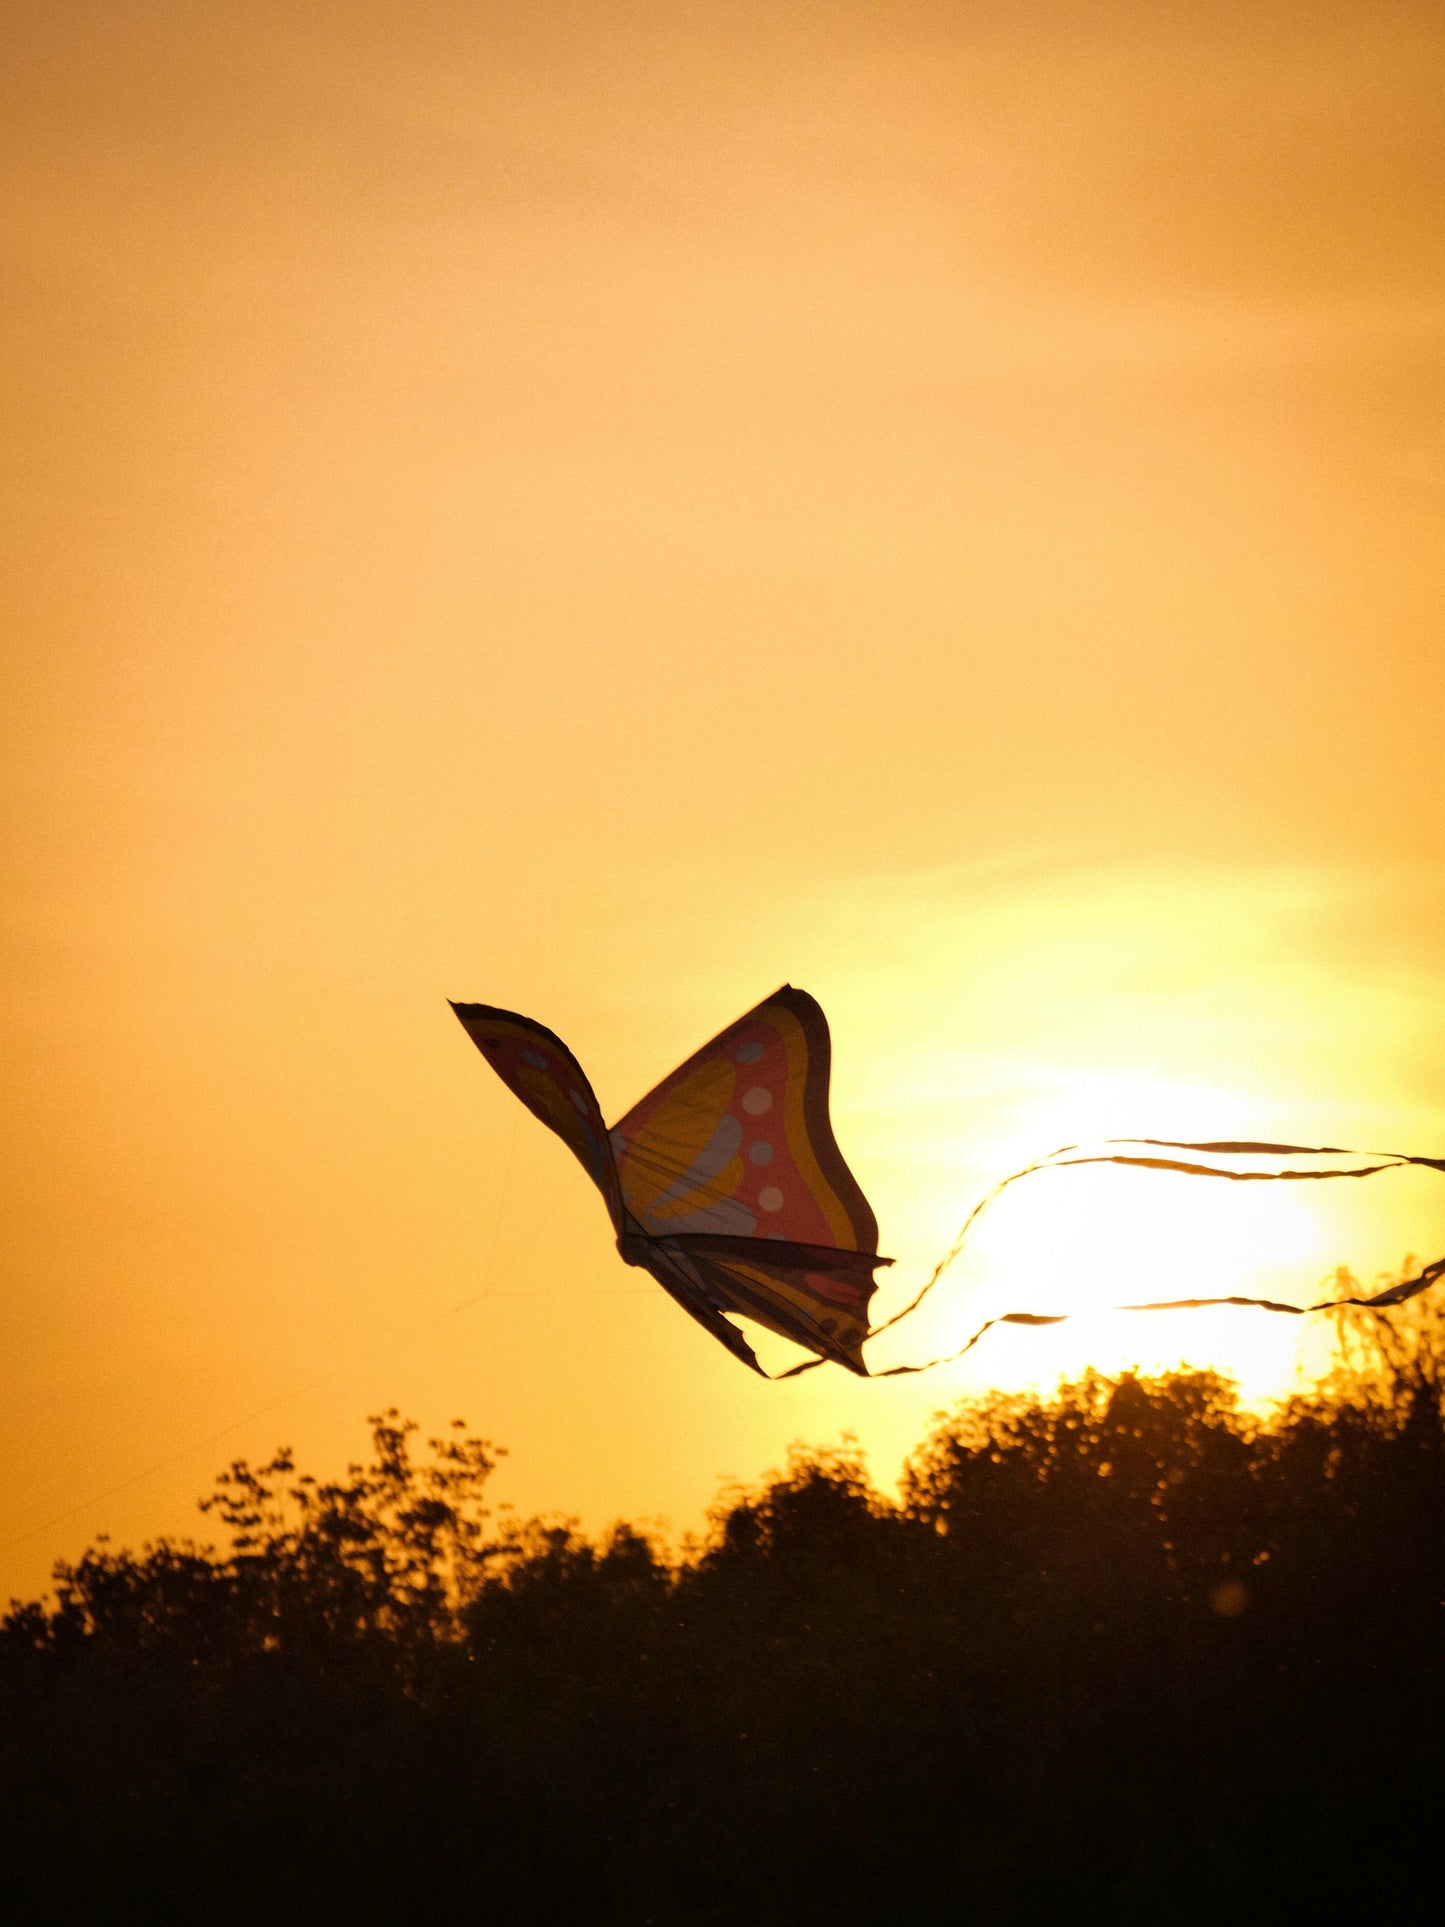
726,1183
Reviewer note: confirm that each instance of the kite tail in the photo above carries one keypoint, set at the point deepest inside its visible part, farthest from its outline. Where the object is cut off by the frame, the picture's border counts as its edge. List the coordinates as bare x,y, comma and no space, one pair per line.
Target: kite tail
1075,1154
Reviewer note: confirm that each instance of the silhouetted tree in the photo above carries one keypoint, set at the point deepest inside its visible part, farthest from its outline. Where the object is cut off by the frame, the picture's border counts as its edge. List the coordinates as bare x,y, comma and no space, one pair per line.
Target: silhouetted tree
1126,1653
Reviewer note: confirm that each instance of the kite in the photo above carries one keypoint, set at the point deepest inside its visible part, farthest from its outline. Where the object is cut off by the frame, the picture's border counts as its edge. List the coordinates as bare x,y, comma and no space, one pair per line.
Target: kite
725,1182
727,1185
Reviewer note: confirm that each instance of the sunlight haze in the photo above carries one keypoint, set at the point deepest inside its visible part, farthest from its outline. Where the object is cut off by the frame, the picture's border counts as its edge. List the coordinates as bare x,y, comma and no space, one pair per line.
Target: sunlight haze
606,509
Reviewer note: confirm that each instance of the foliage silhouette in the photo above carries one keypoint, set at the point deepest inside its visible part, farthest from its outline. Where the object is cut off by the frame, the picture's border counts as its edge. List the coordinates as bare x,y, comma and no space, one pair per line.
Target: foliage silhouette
1126,1653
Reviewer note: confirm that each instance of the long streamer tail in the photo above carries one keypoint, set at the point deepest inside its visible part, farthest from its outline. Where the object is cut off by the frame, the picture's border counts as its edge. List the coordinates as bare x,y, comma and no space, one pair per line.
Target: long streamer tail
1144,1155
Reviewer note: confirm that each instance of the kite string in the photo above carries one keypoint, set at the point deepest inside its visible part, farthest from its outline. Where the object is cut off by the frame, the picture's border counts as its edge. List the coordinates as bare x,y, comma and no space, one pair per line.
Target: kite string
1065,1157
1020,1318
1039,1164
943,1264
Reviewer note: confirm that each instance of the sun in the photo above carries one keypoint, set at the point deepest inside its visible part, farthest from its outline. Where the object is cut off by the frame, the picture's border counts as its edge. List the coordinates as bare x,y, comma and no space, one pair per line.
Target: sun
1086,1241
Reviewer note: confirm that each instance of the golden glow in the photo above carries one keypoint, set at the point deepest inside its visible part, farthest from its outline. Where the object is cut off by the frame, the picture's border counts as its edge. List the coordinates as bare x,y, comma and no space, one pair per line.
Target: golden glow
604,509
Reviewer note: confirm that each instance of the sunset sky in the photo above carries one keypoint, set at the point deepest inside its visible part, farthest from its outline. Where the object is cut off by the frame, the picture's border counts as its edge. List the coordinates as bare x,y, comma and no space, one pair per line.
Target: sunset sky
607,508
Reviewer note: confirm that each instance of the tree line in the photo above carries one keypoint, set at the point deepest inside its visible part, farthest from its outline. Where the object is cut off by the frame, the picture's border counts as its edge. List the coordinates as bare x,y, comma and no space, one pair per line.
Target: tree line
1129,1652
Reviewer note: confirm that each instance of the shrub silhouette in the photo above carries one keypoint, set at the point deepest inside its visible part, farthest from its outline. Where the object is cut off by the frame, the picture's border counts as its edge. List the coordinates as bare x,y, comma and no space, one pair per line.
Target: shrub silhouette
1125,1653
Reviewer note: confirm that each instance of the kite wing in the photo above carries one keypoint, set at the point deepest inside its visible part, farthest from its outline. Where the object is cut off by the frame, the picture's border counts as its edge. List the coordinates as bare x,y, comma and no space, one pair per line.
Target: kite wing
535,1064
687,1286
734,1186
813,1295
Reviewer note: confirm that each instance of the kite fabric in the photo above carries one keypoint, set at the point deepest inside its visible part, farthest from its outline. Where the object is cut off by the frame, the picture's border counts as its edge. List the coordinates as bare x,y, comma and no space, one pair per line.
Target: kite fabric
727,1185
725,1182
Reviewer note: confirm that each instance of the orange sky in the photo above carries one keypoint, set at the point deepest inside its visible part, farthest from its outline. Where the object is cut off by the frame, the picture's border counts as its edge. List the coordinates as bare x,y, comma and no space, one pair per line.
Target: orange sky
603,509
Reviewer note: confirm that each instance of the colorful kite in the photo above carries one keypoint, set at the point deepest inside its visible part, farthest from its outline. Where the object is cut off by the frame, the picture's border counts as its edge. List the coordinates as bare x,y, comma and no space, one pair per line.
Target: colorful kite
726,1183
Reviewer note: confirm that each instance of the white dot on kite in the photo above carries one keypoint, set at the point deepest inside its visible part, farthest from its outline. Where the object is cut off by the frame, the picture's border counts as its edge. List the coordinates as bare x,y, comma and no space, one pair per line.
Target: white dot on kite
770,1198
757,1100
750,1053
535,1059
761,1152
